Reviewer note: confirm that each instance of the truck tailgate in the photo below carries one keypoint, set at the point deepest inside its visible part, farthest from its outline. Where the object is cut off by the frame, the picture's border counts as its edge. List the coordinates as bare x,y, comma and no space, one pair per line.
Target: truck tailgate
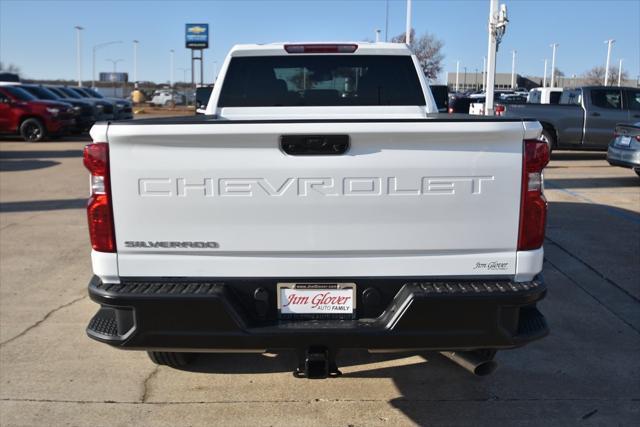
408,198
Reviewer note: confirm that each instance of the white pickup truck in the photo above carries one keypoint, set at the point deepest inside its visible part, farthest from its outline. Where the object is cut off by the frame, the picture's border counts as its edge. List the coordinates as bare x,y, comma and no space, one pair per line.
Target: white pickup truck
321,203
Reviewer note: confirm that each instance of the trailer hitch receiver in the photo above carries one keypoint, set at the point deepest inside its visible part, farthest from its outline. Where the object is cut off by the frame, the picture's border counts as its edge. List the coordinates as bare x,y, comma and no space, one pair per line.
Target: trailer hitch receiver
317,362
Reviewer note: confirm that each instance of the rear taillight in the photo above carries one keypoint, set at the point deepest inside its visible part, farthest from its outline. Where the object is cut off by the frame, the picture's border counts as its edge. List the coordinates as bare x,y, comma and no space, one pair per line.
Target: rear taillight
533,205
99,209
499,110
320,48
450,110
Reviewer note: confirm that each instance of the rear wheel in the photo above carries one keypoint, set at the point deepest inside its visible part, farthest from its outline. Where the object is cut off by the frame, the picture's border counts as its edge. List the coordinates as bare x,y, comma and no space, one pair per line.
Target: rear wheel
171,359
32,130
548,137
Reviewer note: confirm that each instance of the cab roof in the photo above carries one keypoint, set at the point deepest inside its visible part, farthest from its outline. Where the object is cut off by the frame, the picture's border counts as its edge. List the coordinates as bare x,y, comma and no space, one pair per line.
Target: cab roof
361,48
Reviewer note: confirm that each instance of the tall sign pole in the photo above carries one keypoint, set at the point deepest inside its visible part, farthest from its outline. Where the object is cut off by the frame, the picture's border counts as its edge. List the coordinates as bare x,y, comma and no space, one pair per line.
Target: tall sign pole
544,81
457,76
484,73
197,39
606,69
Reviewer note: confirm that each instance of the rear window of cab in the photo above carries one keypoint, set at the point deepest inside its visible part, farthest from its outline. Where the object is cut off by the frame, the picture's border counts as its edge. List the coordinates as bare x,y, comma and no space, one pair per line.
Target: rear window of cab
321,80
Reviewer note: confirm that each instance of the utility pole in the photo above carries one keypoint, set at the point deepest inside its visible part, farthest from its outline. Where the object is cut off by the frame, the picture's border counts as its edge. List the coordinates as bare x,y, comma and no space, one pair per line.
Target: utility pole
544,82
497,28
135,61
408,29
475,79
513,69
457,76
79,53
620,73
378,36
553,64
171,52
606,70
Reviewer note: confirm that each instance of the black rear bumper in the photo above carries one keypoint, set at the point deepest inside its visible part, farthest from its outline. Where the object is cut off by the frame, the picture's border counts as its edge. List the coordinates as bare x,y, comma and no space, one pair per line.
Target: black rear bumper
392,313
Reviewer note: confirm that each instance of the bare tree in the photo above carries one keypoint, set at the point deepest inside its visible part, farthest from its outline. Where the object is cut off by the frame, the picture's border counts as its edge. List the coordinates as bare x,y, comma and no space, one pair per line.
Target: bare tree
559,73
10,68
428,49
595,76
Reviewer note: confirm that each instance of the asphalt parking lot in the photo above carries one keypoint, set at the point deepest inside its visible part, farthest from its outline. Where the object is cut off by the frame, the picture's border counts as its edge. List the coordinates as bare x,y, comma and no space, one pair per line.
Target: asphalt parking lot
586,372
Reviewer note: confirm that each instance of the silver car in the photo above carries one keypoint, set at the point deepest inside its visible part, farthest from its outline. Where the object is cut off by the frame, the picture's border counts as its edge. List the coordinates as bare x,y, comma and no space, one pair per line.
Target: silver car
624,150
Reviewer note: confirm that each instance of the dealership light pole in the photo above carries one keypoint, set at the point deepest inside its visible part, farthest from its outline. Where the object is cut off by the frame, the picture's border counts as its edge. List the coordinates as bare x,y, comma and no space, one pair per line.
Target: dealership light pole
513,69
378,36
171,52
135,61
544,81
408,29
606,69
620,73
79,53
457,76
93,69
114,62
553,64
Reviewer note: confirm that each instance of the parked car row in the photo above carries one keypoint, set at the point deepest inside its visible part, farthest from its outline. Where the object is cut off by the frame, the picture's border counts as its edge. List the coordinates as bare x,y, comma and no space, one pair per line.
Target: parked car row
36,112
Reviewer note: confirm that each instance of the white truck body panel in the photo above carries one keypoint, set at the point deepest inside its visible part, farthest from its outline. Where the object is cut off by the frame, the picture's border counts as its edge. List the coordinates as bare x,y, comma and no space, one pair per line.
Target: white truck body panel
422,198
411,197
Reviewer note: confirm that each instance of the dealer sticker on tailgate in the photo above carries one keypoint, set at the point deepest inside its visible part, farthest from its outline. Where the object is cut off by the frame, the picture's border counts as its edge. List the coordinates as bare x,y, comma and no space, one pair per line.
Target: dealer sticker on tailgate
317,300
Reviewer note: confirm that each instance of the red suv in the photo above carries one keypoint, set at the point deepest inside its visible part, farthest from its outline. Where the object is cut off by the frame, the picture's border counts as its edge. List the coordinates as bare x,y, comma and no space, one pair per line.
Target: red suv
33,119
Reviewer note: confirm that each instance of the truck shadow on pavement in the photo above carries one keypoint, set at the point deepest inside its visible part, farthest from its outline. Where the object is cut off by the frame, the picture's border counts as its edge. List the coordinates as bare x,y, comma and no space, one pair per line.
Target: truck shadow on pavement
579,155
595,182
19,161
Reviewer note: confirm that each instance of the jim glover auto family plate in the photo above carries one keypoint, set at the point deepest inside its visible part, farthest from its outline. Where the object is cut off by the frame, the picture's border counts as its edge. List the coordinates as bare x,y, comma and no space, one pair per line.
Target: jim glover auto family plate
317,300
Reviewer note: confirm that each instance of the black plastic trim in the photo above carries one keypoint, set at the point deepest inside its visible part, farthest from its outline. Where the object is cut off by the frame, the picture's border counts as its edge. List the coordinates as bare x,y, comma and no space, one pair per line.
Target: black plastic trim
210,314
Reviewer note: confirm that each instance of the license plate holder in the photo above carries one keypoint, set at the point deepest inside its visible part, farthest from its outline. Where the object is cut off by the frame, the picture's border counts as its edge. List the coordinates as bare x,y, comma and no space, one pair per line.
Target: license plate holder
317,300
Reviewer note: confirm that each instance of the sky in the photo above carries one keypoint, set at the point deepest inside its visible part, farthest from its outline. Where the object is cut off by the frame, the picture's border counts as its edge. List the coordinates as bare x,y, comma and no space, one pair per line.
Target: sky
39,36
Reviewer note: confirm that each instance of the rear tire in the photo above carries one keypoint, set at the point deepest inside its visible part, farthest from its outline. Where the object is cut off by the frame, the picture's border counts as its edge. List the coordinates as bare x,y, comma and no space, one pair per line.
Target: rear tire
32,130
171,359
548,137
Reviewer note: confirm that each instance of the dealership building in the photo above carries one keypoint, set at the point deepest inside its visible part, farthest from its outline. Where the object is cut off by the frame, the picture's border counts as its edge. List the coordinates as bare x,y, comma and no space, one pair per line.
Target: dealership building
473,81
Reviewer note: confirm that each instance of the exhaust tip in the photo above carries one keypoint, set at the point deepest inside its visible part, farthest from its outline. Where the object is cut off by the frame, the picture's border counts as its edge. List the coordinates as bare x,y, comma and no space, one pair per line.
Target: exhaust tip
485,368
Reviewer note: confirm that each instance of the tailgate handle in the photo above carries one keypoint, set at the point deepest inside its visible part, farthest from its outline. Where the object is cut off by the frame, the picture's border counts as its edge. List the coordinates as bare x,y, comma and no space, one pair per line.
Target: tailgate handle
314,145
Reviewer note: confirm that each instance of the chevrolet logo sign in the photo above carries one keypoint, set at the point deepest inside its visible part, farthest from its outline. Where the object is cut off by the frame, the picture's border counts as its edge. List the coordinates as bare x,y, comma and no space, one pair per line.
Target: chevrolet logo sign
196,30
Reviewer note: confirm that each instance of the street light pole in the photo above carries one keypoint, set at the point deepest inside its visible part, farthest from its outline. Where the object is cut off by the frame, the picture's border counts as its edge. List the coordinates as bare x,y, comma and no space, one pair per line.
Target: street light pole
171,52
93,69
378,36
553,64
114,62
513,69
606,70
457,76
620,73
79,53
408,29
135,61
544,81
